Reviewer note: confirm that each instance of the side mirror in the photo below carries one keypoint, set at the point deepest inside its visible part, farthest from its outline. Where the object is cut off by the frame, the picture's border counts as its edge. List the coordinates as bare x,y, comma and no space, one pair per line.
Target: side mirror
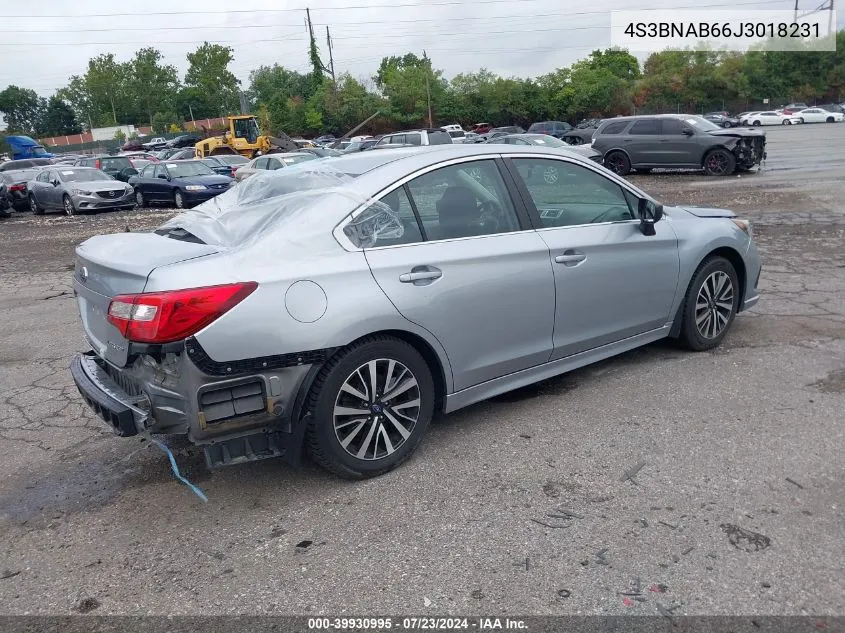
163,176
55,183
649,212
688,132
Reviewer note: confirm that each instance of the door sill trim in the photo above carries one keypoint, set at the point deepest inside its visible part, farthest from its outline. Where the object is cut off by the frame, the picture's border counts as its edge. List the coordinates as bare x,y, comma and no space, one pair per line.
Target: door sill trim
525,377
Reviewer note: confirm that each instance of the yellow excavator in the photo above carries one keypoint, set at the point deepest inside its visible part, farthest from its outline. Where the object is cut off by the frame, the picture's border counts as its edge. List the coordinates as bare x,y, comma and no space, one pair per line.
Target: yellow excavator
243,137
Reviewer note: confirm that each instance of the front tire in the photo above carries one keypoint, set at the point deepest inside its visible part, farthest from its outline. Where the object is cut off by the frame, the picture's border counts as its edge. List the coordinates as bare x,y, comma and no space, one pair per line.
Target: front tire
786,122
34,206
756,124
829,119
370,407
618,163
67,203
179,200
719,162
710,305
139,199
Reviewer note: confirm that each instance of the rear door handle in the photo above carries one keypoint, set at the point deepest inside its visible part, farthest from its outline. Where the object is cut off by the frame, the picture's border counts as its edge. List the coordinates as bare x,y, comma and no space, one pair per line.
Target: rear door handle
421,273
570,258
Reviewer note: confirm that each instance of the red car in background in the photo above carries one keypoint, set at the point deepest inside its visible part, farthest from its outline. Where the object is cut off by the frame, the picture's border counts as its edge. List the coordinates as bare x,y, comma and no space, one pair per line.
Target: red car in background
481,128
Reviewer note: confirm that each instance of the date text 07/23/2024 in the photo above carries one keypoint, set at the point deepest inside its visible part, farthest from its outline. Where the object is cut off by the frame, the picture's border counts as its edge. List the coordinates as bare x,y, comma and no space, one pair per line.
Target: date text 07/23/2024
415,624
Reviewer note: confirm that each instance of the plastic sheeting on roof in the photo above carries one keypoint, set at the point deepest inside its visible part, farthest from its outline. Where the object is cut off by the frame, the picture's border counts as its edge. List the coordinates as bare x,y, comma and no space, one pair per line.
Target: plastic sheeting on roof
285,203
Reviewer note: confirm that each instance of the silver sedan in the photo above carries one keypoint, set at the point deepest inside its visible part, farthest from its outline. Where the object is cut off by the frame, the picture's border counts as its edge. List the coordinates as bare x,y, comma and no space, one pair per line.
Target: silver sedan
340,305
78,189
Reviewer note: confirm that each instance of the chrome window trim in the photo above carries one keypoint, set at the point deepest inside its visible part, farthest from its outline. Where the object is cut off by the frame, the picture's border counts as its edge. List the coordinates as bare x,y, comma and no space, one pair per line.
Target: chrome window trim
347,244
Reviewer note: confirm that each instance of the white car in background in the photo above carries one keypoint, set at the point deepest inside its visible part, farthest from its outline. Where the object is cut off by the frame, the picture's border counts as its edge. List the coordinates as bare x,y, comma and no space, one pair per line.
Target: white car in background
819,115
770,118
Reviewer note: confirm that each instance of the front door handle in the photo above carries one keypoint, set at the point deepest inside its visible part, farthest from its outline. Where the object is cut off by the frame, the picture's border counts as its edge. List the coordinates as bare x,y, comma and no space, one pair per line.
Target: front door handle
570,258
421,274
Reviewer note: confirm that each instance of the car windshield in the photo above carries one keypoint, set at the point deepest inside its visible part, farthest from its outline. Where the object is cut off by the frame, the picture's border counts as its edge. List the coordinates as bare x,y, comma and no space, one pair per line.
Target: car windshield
84,175
700,123
232,160
186,170
38,151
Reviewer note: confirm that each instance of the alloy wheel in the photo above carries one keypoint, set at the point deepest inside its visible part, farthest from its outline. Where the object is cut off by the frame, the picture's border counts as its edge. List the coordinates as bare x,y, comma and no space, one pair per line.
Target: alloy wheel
376,409
717,163
69,210
139,198
714,304
33,205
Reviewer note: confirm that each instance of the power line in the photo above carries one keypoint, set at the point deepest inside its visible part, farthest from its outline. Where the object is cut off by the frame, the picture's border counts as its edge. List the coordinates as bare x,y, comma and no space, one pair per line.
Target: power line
395,5
288,38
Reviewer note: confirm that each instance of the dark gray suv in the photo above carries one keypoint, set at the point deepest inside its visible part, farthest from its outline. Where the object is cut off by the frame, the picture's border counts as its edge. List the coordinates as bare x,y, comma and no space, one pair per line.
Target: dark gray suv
677,141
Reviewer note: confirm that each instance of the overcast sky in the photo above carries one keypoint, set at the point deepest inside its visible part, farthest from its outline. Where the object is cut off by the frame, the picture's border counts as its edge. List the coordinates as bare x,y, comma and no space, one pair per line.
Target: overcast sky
45,42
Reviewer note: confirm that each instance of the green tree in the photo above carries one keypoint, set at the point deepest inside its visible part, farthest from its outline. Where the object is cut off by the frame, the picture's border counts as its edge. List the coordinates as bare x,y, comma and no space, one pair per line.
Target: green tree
58,119
163,120
408,82
22,108
152,84
208,72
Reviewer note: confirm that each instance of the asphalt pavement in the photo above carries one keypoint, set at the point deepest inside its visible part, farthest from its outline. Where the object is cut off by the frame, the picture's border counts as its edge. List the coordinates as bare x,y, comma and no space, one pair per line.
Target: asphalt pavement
707,483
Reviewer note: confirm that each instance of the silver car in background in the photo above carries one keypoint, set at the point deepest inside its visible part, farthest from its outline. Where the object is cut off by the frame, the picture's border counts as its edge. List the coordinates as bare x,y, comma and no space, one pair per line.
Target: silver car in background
78,189
340,305
272,162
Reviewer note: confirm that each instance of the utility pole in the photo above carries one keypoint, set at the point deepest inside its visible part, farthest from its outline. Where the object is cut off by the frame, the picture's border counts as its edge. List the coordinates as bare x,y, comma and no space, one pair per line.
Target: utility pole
795,15
428,92
331,56
113,113
191,110
830,26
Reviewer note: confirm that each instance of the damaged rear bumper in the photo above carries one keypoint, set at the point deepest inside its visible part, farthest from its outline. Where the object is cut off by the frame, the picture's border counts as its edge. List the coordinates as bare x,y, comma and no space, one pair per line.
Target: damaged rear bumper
237,412
116,407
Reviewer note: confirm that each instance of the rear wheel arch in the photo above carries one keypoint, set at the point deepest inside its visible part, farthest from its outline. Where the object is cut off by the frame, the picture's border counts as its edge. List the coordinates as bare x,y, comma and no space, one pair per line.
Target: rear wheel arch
733,256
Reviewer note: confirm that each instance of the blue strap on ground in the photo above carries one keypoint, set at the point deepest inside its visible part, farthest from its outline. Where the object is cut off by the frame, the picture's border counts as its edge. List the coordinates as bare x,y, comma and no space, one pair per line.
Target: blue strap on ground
176,472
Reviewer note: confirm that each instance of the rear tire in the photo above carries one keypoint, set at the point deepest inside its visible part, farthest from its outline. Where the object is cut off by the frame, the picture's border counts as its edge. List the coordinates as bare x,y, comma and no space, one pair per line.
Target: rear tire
139,199
710,305
756,124
389,427
618,163
786,122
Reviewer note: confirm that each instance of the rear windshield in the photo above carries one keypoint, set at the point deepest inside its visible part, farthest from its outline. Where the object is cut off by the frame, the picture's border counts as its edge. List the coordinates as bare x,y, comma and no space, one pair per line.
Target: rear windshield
117,163
439,137
20,175
84,175
182,170
232,160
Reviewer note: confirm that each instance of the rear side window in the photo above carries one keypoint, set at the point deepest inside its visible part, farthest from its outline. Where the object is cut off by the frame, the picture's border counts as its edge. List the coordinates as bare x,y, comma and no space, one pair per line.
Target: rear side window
413,139
646,126
614,128
438,137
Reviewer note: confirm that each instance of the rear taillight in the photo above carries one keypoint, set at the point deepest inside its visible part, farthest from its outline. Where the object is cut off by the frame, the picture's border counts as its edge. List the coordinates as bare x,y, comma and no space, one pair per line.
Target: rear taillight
98,164
21,186
162,317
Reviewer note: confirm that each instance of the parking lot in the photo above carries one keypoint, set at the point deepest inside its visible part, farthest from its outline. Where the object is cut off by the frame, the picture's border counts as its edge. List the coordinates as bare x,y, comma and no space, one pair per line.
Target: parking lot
704,483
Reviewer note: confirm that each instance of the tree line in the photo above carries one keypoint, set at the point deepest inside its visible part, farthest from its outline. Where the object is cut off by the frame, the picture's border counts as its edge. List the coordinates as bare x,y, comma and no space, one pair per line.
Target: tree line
146,91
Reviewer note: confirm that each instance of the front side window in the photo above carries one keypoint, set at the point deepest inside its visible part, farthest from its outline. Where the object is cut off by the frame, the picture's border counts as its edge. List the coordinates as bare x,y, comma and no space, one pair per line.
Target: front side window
672,126
566,194
463,200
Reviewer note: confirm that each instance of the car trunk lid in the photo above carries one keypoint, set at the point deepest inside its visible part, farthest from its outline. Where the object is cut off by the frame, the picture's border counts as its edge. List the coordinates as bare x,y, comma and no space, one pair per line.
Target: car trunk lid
110,265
